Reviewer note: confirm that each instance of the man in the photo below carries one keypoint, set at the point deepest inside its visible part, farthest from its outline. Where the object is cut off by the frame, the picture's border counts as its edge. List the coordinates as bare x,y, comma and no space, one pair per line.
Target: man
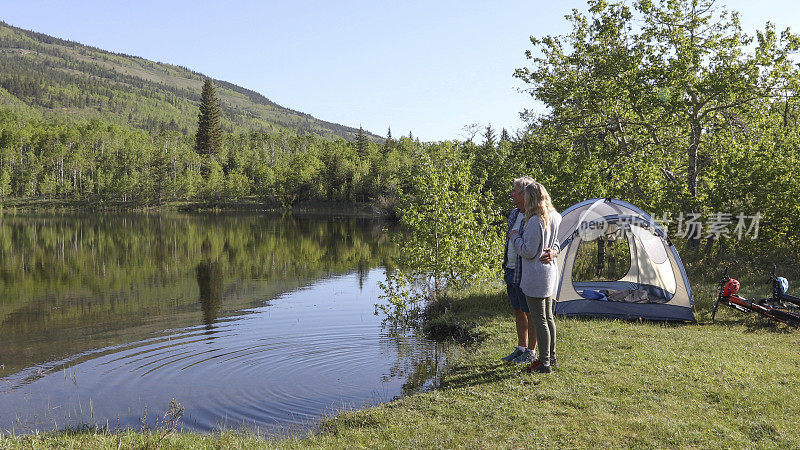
526,335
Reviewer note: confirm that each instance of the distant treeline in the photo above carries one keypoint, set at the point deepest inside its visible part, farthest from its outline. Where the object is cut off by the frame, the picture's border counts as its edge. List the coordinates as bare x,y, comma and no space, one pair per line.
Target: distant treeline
102,161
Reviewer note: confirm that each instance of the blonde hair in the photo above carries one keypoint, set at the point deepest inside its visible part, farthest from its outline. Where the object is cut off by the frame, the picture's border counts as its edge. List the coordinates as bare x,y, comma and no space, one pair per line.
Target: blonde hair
538,203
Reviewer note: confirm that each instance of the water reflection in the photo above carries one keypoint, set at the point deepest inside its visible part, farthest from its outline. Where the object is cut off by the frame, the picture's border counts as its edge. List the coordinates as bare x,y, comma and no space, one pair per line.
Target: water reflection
419,368
242,318
363,269
69,284
209,281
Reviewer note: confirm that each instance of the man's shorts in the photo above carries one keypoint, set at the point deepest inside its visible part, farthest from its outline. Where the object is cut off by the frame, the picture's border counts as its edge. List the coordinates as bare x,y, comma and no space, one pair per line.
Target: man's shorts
515,295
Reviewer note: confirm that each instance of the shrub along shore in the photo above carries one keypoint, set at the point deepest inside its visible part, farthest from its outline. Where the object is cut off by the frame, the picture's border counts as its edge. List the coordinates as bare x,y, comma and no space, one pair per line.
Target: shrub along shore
627,384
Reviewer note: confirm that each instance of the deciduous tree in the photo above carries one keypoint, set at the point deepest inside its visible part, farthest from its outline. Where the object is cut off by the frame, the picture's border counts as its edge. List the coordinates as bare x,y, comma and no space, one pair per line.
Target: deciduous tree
644,100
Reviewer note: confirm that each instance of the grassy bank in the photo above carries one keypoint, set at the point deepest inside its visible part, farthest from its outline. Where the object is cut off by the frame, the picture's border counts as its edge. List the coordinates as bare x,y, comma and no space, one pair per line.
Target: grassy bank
731,384
619,384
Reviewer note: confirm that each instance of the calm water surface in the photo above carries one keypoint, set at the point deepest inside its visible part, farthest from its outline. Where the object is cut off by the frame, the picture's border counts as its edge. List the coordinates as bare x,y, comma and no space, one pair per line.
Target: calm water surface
245,320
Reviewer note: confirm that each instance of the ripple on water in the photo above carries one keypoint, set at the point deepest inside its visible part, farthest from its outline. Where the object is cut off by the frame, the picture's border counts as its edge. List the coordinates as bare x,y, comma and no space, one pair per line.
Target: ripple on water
309,353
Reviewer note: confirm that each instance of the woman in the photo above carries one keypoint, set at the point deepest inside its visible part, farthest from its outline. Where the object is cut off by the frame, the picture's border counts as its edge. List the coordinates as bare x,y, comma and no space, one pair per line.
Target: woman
539,280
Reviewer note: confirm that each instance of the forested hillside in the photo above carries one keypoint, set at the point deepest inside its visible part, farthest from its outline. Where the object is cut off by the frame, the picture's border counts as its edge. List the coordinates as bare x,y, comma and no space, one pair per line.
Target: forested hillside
82,124
99,162
66,79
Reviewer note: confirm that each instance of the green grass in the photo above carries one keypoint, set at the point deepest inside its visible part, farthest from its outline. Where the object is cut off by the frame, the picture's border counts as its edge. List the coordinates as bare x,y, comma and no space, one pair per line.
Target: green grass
621,384
132,439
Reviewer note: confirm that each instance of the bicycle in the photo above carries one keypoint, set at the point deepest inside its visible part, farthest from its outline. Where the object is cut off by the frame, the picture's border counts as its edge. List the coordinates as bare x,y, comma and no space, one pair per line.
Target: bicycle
780,297
728,295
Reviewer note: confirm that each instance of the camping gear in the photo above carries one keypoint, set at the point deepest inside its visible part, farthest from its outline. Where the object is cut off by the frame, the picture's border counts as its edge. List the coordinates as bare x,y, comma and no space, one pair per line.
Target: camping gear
731,287
780,295
728,288
655,287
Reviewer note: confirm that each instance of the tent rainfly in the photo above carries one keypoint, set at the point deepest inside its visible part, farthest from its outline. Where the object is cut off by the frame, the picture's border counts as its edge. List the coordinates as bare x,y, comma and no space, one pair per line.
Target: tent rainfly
655,287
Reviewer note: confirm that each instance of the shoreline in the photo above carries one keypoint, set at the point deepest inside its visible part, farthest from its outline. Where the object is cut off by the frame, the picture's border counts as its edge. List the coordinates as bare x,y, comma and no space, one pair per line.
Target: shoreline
366,210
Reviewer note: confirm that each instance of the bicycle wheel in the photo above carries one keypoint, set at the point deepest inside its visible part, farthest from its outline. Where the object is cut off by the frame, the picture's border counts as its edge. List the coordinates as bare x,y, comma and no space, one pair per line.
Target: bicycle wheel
794,301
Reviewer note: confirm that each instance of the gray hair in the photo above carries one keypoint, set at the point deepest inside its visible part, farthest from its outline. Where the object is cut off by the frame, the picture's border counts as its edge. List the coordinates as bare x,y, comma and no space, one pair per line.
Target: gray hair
522,182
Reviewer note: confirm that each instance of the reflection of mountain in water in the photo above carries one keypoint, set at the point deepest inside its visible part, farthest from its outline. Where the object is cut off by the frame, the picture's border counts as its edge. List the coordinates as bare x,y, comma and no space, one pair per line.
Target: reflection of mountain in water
69,284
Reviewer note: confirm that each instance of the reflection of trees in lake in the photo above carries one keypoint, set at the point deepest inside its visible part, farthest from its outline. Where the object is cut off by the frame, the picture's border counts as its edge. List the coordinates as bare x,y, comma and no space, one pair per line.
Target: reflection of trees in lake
423,374
419,365
209,280
363,271
66,276
113,251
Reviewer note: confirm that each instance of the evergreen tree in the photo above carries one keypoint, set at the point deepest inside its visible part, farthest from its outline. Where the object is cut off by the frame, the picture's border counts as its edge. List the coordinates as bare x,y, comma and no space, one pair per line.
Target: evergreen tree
362,145
388,144
489,137
504,136
208,141
486,157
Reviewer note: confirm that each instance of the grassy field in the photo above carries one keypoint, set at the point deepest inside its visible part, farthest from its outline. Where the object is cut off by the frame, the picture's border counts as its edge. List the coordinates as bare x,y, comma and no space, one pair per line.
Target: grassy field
620,384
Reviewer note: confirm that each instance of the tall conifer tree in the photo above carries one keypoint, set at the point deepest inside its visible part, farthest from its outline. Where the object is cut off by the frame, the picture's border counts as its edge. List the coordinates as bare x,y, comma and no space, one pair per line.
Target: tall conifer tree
504,136
489,137
389,143
362,145
208,141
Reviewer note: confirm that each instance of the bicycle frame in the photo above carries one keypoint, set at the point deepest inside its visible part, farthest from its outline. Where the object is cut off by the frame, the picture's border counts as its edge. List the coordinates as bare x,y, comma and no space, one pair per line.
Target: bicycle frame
751,305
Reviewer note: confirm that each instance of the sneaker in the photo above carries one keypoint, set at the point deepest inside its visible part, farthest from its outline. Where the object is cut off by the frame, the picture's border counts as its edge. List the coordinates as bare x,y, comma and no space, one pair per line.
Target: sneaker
541,368
512,356
536,363
525,357
553,362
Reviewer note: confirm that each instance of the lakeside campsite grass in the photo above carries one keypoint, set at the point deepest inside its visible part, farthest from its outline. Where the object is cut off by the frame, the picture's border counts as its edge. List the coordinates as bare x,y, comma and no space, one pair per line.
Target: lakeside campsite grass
628,384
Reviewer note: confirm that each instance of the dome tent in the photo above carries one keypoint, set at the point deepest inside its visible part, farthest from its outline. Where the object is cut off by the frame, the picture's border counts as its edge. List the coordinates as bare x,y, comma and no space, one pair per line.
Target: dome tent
655,287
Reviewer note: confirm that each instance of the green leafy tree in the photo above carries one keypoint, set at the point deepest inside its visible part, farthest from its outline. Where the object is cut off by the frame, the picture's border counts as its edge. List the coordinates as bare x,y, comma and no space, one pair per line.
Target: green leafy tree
452,236
645,100
160,173
5,183
214,182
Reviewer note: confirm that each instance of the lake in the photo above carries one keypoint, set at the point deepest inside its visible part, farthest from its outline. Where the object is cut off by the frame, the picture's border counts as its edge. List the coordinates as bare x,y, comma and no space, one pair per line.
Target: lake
246,320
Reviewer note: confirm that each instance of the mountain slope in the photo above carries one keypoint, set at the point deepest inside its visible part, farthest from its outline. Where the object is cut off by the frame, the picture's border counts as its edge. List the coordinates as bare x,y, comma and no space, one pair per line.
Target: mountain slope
64,78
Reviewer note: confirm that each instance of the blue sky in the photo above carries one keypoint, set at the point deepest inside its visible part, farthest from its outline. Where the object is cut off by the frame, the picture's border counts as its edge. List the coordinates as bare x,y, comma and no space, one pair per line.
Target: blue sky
429,67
